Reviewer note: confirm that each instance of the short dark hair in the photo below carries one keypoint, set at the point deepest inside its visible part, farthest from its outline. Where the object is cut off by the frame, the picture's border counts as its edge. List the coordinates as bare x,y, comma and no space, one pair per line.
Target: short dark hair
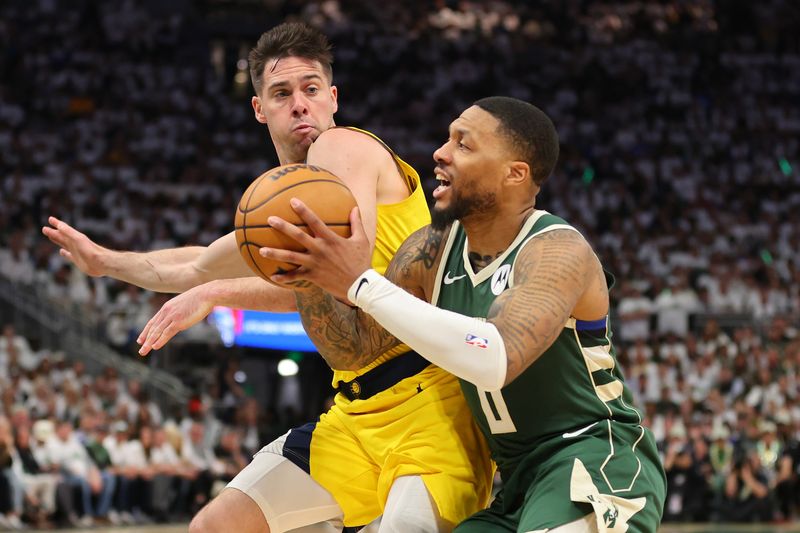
289,39
529,132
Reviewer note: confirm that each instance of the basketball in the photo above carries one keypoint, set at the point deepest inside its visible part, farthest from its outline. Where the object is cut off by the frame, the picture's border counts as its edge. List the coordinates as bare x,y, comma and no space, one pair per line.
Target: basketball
269,195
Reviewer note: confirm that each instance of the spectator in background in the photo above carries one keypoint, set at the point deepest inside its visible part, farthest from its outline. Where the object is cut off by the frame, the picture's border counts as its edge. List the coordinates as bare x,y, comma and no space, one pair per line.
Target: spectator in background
248,421
725,293
11,490
678,467
165,461
79,471
40,486
746,496
15,350
716,342
698,494
43,402
196,453
69,404
675,305
635,312
15,261
159,476
721,457
787,480
92,434
231,455
777,465
132,472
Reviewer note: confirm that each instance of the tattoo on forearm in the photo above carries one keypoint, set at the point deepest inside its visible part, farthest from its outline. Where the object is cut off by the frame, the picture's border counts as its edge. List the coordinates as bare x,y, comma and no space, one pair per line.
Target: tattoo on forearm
549,279
346,338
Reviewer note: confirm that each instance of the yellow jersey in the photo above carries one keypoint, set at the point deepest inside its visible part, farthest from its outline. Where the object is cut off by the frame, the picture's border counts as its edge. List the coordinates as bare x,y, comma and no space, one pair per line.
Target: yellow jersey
395,223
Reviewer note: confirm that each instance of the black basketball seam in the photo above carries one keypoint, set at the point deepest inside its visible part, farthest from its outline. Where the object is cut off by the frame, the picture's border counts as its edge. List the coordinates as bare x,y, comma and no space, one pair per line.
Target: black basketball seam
299,225
255,244
291,187
244,228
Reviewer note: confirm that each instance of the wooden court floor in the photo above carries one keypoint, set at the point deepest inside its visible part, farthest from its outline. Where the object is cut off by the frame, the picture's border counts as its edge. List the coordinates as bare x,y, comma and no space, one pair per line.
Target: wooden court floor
669,528
730,528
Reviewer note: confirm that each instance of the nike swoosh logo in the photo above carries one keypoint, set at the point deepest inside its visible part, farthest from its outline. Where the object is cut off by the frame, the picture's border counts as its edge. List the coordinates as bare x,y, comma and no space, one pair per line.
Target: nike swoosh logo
448,280
579,432
364,281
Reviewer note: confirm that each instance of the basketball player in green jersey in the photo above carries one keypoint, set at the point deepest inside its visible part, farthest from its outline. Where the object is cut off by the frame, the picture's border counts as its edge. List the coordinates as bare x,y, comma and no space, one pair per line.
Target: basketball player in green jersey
520,315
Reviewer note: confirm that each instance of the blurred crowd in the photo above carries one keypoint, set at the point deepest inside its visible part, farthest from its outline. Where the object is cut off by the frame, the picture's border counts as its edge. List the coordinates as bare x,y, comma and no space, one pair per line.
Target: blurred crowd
79,450
679,124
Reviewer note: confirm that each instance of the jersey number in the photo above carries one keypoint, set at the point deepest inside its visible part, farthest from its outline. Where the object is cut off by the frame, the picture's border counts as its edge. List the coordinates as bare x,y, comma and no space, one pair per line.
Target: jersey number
496,412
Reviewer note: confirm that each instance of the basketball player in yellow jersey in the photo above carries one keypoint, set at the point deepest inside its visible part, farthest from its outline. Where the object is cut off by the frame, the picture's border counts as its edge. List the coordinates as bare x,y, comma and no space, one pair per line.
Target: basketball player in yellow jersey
399,440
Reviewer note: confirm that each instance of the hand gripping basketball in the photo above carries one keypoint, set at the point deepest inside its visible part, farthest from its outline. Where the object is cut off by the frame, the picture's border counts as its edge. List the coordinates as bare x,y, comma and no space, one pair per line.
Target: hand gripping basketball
330,261
269,195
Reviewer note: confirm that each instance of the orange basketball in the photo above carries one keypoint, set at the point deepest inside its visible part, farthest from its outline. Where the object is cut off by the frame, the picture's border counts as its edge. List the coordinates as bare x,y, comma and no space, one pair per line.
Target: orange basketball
270,193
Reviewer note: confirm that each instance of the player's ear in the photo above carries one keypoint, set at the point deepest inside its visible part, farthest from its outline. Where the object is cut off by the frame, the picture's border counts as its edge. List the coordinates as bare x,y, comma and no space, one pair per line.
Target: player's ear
260,116
335,96
519,173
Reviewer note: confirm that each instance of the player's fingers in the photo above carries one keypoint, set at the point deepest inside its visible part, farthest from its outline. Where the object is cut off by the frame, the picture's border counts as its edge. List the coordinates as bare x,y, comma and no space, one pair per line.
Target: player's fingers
66,254
63,228
165,336
145,348
153,333
285,256
297,278
148,342
146,331
357,225
290,230
317,226
54,236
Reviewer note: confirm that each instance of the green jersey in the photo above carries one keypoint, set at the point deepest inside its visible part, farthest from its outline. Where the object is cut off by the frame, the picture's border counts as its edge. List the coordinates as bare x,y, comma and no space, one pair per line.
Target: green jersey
574,385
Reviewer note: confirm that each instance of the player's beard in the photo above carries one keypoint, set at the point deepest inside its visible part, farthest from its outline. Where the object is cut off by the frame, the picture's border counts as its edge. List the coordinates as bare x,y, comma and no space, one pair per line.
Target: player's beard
461,206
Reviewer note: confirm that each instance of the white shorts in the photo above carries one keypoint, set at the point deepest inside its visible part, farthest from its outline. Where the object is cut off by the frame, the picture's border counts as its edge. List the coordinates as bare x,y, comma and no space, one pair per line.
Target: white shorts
286,494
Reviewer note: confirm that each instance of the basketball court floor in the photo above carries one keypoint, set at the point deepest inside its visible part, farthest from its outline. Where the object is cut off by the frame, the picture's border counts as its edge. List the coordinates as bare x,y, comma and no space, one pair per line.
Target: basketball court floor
669,528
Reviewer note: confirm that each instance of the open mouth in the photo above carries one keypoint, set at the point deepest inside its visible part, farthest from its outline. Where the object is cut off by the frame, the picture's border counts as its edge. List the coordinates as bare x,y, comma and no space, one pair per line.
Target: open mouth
444,186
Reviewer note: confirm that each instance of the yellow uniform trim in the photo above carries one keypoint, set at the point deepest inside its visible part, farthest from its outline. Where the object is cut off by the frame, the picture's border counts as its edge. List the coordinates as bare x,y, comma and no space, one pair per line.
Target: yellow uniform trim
395,223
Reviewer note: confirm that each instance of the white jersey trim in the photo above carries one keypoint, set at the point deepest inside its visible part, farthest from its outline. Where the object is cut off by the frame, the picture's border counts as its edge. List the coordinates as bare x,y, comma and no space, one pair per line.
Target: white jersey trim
437,282
489,269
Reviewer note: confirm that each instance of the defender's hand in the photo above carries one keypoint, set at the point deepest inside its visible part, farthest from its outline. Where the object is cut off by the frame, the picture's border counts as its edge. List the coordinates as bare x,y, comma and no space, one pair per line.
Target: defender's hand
330,261
83,252
178,314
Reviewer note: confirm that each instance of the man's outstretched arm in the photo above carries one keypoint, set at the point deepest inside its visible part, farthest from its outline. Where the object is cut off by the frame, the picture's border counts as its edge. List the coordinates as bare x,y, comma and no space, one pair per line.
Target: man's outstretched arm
169,270
189,308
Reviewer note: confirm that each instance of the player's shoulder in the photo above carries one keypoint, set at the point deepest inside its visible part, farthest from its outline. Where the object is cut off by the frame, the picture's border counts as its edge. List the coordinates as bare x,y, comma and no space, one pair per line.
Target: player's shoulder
350,140
426,241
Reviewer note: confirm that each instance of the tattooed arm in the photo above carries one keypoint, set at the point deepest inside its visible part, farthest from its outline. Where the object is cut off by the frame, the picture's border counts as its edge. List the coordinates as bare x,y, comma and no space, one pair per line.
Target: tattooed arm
556,275
347,337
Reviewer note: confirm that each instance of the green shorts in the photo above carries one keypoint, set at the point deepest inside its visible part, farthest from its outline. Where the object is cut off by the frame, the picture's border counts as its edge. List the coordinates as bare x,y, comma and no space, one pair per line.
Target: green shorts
614,472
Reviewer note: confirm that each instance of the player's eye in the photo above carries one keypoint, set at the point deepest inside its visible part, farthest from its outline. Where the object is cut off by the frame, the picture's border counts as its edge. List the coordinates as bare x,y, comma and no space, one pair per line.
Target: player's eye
312,90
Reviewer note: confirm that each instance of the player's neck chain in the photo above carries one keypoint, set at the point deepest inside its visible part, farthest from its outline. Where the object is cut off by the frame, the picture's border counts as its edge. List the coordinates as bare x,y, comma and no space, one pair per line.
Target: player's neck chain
479,261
